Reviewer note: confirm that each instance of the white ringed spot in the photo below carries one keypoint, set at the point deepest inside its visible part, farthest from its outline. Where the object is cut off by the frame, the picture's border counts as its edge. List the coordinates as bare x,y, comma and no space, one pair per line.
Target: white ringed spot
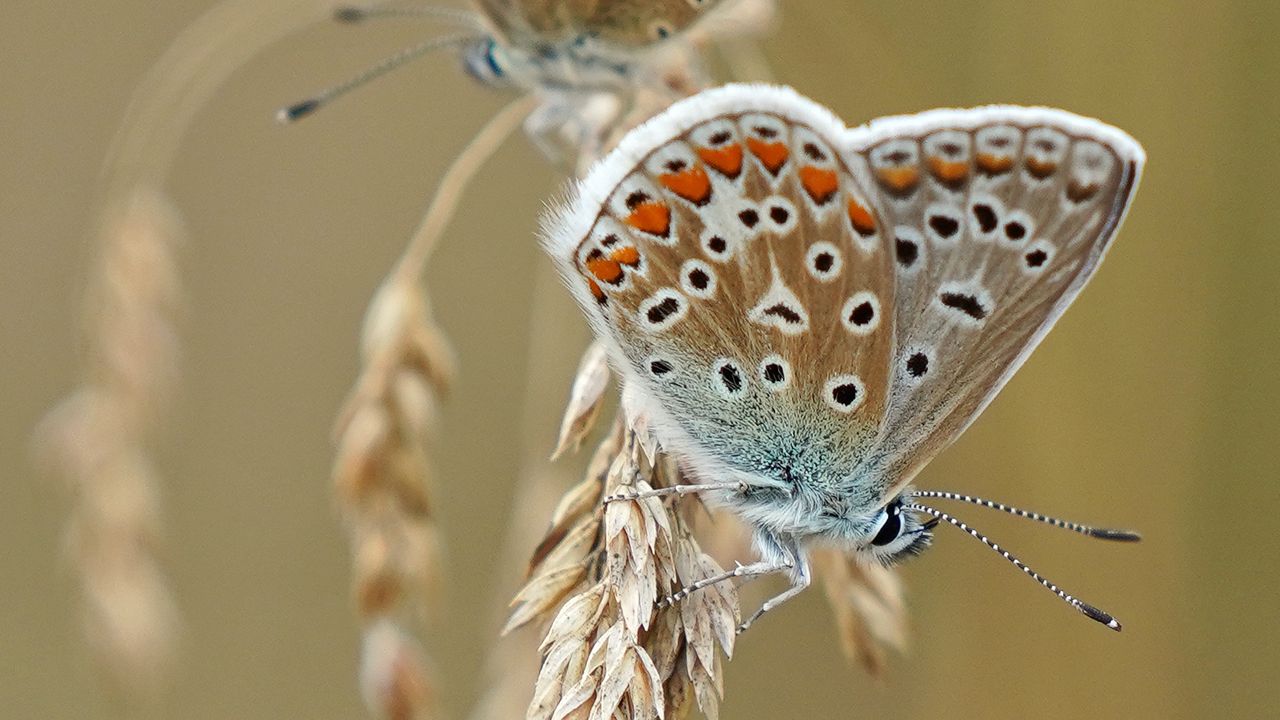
664,308
844,393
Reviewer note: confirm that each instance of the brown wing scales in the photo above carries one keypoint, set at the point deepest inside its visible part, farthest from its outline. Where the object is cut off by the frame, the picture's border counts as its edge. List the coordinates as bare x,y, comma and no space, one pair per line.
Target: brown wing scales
744,262
997,228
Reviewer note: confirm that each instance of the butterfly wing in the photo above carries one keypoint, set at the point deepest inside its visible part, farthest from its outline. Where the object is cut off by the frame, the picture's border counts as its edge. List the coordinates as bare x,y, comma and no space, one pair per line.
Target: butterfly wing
1000,215
619,24
738,269
734,265
523,22
636,23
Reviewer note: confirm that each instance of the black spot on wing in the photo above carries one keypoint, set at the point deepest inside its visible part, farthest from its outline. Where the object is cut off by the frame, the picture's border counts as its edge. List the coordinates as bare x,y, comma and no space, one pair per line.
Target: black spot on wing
862,314
965,303
663,310
986,217
845,394
944,225
918,364
786,313
660,367
730,377
907,251
774,373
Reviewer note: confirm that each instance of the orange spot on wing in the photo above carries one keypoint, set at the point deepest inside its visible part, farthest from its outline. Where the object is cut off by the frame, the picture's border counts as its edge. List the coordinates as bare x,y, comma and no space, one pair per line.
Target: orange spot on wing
628,256
1079,192
819,183
863,221
692,185
773,155
948,173
605,270
651,217
899,180
1040,170
994,164
726,160
596,291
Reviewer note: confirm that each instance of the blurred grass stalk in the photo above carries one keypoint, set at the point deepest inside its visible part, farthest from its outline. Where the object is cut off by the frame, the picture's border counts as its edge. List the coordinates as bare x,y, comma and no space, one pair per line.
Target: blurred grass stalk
97,438
381,470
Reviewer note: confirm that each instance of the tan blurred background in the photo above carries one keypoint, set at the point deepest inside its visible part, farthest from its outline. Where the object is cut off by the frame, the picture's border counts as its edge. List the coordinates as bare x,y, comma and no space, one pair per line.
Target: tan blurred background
1154,402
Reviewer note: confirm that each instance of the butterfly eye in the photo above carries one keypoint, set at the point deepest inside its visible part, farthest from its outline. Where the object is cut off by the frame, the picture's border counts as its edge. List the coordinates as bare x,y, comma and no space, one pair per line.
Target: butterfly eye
486,61
896,535
890,525
660,30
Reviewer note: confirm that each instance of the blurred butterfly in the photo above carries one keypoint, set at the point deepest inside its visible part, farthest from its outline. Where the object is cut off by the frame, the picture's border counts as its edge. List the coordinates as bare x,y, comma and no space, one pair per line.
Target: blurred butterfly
573,53
807,314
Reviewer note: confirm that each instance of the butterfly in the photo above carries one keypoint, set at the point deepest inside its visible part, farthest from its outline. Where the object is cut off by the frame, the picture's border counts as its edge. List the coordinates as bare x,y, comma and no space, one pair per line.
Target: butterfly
807,314
572,53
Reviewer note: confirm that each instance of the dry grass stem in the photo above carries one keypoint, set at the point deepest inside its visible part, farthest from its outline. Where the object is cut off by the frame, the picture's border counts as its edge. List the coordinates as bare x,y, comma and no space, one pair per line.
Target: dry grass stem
454,183
381,468
97,440
610,649
584,400
380,478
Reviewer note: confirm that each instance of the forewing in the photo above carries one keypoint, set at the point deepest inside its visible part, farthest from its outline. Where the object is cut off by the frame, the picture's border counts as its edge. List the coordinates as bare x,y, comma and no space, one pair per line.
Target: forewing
738,271
636,23
999,215
626,24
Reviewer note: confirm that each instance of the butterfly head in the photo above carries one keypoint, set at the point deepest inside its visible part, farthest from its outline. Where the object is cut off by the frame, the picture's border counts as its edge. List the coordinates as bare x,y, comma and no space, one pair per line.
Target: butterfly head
896,534
492,64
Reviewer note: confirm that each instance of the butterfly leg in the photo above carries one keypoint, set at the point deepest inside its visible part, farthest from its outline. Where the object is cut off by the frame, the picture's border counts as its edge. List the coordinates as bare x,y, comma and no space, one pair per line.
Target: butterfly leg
801,576
748,572
680,490
544,126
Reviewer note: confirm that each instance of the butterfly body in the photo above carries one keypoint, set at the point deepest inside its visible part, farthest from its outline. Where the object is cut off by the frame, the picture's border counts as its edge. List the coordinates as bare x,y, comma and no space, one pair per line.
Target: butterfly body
568,65
597,65
810,312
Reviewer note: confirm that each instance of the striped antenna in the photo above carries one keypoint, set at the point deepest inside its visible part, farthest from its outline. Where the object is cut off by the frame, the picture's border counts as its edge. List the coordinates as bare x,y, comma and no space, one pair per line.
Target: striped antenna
301,109
1092,612
1093,532
353,14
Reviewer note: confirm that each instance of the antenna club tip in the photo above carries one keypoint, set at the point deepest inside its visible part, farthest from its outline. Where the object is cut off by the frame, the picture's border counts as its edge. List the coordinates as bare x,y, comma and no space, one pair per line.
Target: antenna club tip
297,111
1117,535
349,14
1095,614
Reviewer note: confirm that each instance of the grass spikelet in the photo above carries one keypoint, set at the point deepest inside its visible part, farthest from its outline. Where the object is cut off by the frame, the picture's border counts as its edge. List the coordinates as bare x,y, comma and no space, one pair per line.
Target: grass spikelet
97,438
708,618
393,672
867,602
562,562
584,400
380,470
614,648
380,475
